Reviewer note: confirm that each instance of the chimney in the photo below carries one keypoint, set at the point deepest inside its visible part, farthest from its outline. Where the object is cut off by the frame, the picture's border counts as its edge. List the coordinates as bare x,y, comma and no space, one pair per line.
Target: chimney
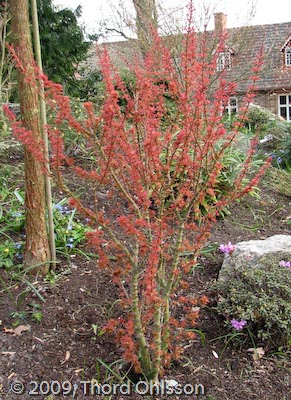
220,23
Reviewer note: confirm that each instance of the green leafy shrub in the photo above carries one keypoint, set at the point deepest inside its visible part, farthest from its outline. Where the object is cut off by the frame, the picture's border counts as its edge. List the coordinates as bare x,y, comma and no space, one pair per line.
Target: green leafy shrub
281,157
90,86
260,296
275,132
263,121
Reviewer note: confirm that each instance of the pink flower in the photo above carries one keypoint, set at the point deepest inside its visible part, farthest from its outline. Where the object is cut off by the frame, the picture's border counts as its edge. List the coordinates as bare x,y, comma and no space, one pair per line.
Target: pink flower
227,248
284,263
238,325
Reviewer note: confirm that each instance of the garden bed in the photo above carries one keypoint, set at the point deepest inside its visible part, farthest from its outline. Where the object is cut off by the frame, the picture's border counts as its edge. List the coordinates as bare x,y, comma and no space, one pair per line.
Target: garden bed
68,344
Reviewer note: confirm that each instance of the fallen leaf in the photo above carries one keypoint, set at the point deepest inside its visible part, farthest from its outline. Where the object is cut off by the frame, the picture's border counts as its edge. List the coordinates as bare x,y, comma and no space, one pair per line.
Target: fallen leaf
18,330
215,354
67,357
258,353
79,370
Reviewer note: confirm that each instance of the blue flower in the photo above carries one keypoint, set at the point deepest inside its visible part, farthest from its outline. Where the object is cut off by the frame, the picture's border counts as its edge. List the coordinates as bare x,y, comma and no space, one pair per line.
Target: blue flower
59,208
16,214
18,245
19,256
70,243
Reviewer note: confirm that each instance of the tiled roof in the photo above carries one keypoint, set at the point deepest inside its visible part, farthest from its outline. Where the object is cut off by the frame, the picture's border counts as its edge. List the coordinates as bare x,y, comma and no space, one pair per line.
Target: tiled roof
247,44
120,53
244,42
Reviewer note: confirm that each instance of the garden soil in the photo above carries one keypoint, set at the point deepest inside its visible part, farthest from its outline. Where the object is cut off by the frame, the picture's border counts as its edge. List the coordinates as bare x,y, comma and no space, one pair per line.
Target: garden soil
69,346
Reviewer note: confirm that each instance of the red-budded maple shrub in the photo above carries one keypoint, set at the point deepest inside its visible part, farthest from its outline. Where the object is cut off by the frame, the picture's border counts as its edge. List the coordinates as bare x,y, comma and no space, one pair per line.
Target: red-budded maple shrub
158,165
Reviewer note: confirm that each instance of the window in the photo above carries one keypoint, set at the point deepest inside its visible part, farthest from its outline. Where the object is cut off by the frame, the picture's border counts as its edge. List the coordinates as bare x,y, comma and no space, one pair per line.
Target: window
284,106
231,107
223,61
288,56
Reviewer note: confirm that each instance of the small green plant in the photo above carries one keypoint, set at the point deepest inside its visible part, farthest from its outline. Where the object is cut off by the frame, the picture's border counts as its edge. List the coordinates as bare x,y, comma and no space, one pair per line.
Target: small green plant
70,231
261,297
117,371
18,316
12,216
34,312
7,252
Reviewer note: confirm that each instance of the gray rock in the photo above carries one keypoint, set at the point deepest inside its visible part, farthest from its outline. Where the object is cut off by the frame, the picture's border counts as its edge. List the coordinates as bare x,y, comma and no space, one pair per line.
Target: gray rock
256,254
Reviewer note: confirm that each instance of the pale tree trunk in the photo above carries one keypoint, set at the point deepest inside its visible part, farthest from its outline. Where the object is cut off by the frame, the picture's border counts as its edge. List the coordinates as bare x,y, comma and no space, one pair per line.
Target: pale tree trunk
146,21
37,247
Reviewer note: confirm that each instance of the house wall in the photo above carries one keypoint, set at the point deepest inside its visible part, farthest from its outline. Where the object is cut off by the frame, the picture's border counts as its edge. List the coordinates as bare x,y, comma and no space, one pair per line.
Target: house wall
268,101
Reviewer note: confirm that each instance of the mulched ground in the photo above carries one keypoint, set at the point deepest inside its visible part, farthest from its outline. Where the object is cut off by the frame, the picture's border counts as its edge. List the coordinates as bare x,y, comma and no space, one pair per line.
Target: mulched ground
66,344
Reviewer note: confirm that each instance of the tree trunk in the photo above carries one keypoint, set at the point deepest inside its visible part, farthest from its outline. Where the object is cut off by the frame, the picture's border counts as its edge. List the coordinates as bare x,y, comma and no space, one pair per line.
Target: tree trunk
37,247
146,21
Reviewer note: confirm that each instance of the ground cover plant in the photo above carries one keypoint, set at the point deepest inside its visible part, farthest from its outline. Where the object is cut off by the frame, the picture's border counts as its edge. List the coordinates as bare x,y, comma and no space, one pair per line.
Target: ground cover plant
260,297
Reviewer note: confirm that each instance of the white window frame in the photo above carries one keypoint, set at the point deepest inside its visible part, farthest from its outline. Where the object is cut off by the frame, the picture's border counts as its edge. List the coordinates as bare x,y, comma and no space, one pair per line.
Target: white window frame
223,61
231,109
286,106
288,56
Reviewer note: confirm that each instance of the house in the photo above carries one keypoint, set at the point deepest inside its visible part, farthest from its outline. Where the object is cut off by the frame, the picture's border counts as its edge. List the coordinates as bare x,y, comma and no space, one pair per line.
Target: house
273,88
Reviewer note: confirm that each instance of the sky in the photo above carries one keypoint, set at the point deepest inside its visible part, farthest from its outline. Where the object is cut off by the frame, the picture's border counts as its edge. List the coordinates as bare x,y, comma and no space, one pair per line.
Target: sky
239,12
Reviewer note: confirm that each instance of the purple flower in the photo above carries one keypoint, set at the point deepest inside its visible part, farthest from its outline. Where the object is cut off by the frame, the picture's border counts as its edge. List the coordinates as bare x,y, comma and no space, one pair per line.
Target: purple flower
284,263
238,325
227,248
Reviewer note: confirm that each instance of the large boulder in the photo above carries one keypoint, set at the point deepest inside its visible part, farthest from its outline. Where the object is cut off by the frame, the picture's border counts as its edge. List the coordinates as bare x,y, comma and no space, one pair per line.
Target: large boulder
256,254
